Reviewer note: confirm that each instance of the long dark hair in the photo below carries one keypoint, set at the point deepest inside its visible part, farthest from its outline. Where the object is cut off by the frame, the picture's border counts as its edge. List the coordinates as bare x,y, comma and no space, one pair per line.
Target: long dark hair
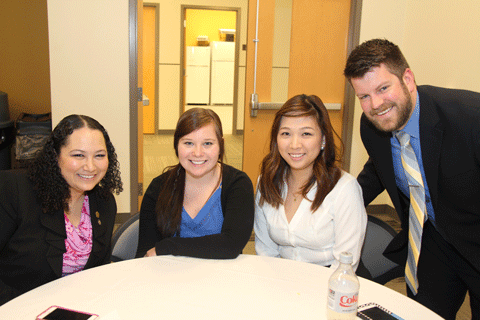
51,187
274,169
170,200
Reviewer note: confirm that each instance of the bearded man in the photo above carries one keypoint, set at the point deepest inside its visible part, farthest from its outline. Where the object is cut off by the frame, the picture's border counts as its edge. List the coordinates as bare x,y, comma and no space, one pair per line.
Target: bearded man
423,144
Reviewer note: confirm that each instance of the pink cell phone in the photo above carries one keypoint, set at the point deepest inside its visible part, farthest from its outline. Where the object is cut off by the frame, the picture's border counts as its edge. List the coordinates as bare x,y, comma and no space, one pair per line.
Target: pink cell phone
60,313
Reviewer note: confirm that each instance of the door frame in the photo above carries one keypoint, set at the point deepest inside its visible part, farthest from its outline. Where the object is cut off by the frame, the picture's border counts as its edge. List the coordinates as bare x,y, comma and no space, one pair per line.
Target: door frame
349,97
353,40
237,56
136,125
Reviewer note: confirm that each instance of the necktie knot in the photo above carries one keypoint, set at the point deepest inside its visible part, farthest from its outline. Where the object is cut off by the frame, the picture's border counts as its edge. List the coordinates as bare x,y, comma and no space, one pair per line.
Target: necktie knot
403,138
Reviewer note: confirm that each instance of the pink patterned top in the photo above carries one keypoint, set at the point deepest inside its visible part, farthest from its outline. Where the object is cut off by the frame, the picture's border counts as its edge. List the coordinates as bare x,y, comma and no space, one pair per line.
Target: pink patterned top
78,242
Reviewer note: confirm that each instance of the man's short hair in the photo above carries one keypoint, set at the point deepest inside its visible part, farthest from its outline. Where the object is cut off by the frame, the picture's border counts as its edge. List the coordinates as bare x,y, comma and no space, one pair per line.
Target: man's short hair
373,53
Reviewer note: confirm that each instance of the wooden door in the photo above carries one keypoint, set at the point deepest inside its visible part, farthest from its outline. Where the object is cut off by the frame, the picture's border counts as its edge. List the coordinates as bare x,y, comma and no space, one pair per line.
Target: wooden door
149,67
256,129
318,50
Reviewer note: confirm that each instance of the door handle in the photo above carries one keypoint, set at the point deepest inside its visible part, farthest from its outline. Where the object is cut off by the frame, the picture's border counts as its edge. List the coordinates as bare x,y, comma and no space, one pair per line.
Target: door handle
146,100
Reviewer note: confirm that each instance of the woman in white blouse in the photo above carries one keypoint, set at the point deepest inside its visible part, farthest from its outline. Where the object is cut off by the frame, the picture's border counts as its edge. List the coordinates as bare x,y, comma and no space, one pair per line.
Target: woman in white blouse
306,207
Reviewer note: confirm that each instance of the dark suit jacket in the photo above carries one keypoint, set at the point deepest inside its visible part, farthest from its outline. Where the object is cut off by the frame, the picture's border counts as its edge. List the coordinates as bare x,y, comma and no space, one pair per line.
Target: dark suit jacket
450,144
32,243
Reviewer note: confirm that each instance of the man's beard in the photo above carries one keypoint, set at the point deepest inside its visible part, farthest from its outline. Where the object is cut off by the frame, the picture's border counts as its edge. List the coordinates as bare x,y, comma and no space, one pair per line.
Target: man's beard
404,110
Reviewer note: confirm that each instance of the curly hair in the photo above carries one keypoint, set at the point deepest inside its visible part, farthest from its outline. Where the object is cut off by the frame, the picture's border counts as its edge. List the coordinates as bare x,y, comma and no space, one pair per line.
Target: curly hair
373,53
170,199
274,169
51,187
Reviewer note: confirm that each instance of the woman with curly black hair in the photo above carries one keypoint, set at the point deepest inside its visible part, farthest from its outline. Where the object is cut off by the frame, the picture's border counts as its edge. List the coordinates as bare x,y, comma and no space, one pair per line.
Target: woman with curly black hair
57,218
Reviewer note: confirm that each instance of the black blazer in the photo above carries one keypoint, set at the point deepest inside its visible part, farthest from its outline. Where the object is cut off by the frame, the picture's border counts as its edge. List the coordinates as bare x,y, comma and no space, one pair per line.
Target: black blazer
450,143
32,243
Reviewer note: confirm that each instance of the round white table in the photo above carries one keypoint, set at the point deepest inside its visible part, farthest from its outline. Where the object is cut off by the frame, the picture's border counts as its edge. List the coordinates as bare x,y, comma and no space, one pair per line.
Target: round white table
167,287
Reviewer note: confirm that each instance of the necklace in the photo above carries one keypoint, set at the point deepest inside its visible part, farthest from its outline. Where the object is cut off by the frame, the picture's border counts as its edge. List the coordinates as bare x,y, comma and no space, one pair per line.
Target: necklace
291,185
295,197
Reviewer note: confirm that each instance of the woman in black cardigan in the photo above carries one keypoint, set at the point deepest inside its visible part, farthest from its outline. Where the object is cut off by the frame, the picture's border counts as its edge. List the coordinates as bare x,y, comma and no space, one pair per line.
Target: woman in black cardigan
57,218
200,207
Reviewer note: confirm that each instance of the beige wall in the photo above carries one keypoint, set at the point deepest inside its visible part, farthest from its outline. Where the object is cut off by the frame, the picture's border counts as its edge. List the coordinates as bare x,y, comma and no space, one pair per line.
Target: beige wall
170,55
440,40
24,66
89,70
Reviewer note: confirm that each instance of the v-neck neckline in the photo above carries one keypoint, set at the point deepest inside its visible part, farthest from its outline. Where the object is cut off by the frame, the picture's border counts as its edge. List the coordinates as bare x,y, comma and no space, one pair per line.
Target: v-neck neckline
207,203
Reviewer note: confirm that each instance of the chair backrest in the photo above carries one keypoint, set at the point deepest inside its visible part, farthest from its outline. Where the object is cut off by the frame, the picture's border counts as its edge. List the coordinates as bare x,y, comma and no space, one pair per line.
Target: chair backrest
125,240
378,236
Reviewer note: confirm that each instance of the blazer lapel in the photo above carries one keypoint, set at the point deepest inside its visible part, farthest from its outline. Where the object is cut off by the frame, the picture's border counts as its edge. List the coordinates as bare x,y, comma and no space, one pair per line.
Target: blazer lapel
431,138
56,235
380,151
55,238
386,169
99,229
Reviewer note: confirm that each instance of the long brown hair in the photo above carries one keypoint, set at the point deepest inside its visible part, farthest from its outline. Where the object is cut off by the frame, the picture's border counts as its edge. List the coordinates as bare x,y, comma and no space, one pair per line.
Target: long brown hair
170,200
274,169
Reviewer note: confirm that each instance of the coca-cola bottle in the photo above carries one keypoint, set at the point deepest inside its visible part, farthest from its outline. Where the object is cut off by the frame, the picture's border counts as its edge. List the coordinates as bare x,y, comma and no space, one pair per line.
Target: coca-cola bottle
343,286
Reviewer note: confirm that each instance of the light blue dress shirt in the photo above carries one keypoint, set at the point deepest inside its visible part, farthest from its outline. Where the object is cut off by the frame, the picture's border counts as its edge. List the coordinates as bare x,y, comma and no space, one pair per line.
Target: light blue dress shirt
413,129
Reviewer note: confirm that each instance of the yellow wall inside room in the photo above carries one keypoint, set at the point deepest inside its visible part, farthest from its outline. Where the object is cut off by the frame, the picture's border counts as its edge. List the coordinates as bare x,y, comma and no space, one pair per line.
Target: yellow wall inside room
207,22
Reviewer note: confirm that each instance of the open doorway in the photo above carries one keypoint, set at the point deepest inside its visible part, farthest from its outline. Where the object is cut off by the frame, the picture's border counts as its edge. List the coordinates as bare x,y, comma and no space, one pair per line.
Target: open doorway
158,148
211,51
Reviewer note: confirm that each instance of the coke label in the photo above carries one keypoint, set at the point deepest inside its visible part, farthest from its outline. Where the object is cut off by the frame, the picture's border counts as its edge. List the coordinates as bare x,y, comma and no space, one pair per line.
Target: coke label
342,302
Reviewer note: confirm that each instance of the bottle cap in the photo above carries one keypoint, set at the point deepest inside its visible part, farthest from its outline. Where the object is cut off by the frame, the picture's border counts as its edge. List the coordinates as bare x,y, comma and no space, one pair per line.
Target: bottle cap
346,257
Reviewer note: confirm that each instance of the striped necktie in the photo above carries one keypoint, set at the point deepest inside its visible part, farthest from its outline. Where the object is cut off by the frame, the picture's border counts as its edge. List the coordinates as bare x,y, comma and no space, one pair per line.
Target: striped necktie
417,214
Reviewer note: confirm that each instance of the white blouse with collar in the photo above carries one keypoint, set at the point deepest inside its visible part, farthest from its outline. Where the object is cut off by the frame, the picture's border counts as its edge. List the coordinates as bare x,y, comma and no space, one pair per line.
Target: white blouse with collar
338,225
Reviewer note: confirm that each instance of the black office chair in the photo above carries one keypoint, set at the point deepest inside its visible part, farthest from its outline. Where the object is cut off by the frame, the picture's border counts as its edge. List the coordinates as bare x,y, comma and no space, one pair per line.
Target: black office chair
125,240
378,236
